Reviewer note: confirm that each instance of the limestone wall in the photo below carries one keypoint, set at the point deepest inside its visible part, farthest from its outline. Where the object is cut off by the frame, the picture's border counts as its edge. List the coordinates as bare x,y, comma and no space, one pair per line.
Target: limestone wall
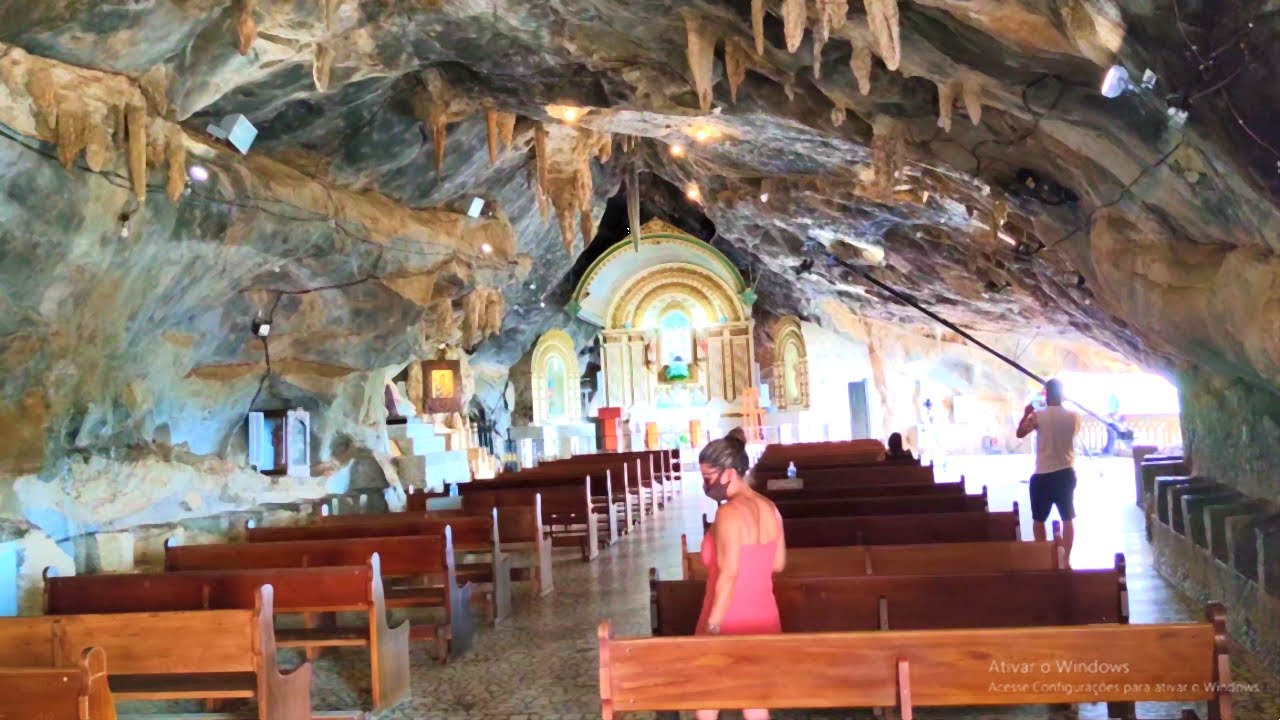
1231,431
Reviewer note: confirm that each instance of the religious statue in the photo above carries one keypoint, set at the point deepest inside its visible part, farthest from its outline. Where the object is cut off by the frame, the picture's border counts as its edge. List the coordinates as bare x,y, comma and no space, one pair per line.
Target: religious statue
676,370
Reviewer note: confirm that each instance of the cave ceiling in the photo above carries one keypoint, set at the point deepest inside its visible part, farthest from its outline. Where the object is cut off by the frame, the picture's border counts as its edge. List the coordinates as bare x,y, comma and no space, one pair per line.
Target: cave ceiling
958,150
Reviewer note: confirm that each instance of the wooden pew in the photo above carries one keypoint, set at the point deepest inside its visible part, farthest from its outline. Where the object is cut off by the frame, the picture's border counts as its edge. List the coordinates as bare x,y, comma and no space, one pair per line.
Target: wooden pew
904,670
864,491
890,505
1021,598
623,494
519,532
472,535
426,563
776,457
656,476
570,514
74,692
878,474
644,483
975,526
311,590
198,655
923,559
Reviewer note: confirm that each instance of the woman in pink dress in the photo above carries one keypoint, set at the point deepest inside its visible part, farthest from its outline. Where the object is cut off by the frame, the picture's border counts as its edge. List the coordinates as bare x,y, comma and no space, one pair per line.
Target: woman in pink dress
742,551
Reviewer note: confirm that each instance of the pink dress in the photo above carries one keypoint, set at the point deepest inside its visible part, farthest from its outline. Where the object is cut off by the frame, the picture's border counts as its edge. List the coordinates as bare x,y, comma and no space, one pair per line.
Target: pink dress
753,610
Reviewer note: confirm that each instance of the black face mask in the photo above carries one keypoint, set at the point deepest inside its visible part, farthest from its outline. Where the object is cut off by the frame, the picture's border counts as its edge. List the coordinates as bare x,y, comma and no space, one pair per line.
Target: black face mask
716,490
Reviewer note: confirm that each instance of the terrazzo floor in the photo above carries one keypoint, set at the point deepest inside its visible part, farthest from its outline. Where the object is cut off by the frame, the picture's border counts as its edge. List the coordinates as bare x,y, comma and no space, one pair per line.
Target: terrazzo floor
541,663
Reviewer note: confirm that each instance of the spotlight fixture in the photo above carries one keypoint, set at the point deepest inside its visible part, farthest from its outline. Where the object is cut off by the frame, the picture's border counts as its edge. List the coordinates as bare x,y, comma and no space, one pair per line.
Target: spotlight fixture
692,192
571,115
124,230
542,304
1177,117
1117,82
477,206
764,197
701,135
198,173
261,327
486,248
237,130
676,151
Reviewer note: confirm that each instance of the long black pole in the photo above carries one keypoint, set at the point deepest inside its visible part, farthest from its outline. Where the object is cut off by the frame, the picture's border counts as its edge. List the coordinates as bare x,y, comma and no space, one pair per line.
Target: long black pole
911,302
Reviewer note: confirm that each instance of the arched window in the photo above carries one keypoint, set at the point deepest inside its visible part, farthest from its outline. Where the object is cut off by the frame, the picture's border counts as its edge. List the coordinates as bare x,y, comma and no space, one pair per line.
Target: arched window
791,374
556,381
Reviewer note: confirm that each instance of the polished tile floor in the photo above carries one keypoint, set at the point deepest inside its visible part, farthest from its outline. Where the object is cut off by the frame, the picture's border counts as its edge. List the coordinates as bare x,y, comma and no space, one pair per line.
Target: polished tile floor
541,663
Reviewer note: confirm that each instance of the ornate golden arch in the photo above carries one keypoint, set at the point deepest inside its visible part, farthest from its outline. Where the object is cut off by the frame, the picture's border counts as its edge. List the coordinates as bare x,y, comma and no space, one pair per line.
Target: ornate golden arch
558,344
699,288
787,336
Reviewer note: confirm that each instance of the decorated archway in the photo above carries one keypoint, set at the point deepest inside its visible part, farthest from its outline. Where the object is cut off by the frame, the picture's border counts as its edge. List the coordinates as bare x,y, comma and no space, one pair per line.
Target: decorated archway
790,366
555,380
676,328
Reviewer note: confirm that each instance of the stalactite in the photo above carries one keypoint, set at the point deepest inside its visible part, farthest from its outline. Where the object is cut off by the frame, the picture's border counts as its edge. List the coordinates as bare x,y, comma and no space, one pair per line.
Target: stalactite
473,314
121,126
431,106
831,16
97,147
794,17
701,52
757,25
838,115
633,203
888,154
491,124
72,131
973,98
542,164
789,87
322,66
176,156
736,59
506,129
860,64
494,308
43,91
603,146
246,26
999,213
136,117
946,104
882,19
587,226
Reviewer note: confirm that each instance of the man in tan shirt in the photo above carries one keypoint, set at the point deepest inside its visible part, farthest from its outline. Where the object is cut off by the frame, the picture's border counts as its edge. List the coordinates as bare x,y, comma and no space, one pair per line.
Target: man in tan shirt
1054,482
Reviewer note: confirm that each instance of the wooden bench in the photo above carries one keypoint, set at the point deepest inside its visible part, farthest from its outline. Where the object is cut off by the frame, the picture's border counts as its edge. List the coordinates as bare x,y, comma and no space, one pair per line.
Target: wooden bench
658,474
197,655
1021,598
880,474
75,692
864,491
922,559
833,531
623,493
308,591
643,477
520,532
424,564
570,514
888,505
472,535
905,669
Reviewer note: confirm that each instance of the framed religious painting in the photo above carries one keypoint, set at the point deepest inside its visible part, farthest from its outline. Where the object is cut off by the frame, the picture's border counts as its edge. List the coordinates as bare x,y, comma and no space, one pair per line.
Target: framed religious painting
443,386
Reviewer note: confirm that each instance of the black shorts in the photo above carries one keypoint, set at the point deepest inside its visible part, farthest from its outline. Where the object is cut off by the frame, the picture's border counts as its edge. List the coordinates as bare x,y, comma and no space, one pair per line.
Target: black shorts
1055,488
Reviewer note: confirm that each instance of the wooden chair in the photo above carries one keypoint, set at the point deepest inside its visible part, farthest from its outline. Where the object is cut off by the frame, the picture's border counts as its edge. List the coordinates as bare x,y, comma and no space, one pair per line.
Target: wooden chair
196,655
922,559
75,692
974,526
1021,598
309,591
472,535
1116,664
424,567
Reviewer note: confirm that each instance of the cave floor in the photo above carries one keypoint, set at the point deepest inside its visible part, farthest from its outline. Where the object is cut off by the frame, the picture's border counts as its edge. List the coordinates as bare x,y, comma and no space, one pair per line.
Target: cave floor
541,662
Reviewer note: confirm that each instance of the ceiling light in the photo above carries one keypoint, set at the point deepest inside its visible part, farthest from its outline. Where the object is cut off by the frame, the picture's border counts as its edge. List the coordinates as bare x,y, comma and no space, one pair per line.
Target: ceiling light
477,206
571,115
486,248
198,173
764,197
1117,82
567,113
542,304
677,151
701,135
692,192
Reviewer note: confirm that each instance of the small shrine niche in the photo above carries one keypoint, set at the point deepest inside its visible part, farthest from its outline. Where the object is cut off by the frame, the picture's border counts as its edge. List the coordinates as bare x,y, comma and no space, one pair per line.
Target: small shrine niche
280,442
791,366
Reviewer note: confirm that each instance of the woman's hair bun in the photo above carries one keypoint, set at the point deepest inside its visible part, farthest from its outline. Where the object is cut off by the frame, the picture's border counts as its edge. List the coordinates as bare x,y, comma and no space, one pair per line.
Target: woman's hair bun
737,435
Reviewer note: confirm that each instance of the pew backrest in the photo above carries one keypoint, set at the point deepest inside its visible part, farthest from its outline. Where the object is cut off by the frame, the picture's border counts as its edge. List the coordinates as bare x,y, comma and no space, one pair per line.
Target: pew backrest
890,505
76,692
864,491
973,526
400,556
1176,662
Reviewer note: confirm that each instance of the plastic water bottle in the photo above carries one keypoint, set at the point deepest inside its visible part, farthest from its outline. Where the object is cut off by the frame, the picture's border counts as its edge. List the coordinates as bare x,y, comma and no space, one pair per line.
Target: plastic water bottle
791,470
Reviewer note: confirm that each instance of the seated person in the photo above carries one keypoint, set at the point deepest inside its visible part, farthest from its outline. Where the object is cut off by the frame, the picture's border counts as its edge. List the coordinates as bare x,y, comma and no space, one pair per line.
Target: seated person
896,451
